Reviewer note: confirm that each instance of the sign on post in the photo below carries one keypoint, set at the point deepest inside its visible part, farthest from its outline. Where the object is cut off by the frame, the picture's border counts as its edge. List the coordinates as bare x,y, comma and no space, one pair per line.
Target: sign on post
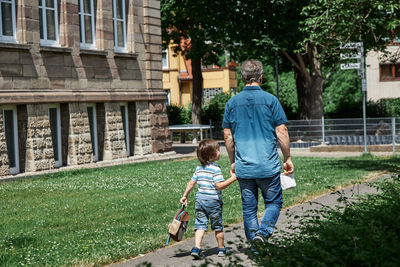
350,66
350,56
351,45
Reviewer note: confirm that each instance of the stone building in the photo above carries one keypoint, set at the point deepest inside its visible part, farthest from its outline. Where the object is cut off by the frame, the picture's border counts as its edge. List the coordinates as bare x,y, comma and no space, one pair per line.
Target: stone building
80,82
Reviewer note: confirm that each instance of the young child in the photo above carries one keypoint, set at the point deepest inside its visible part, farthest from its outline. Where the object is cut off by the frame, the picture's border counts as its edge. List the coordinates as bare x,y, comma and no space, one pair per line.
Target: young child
208,204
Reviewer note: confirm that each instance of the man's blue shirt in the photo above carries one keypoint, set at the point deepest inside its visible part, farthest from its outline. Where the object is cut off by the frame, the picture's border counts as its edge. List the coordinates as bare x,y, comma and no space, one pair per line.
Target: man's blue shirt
252,115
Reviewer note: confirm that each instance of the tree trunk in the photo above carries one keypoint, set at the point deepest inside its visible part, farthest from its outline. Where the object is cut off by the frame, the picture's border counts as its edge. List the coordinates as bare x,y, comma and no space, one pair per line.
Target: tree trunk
316,102
309,81
197,90
302,94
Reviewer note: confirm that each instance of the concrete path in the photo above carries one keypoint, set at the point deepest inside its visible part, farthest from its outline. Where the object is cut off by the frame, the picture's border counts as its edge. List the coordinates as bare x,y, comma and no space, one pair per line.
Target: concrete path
178,254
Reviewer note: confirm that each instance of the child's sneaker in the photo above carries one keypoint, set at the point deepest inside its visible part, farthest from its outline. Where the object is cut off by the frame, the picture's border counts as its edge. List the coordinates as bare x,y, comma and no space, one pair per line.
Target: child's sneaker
197,253
222,252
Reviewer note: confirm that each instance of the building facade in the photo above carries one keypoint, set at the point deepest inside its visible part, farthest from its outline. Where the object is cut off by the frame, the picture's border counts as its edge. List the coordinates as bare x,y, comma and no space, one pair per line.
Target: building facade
178,80
383,73
80,82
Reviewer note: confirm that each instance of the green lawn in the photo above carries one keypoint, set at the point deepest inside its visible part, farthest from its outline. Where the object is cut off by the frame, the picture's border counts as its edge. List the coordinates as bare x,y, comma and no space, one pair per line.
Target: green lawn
98,216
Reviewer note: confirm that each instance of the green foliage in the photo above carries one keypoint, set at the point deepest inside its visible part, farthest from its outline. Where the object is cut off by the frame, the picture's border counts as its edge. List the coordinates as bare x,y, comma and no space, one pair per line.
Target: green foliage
343,96
215,110
328,24
365,233
384,108
179,115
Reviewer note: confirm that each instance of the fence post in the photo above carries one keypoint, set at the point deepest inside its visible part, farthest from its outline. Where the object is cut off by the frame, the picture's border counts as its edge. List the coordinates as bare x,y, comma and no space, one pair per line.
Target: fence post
394,134
211,134
323,129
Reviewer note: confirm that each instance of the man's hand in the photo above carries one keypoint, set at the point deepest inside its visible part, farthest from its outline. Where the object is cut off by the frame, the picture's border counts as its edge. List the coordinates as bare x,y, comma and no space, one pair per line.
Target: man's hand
288,167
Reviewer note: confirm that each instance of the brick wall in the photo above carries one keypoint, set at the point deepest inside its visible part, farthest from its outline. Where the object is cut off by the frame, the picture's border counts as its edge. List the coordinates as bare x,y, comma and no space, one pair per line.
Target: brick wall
79,142
160,136
4,168
39,149
114,136
143,144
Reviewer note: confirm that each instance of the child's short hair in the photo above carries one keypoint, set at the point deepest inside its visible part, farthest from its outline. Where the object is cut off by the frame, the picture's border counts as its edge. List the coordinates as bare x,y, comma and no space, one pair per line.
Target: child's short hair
206,151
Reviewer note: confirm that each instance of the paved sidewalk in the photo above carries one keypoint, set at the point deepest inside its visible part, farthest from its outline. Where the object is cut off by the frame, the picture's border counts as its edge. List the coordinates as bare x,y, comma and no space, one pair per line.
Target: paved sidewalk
178,254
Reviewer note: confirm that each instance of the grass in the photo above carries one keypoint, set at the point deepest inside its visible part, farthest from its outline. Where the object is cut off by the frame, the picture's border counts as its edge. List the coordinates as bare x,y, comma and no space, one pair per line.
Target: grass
98,216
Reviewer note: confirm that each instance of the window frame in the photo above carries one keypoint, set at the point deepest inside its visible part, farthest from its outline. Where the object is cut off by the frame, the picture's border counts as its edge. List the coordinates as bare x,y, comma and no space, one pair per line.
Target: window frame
95,141
166,66
125,121
82,25
59,162
120,49
43,8
7,38
393,70
16,169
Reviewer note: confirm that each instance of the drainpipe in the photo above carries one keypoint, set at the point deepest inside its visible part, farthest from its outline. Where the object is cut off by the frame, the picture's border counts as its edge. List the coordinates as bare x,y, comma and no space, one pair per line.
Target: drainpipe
180,90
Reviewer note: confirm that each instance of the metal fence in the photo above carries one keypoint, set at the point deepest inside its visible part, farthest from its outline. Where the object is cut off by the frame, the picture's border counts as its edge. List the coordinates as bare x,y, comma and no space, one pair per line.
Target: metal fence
305,133
379,131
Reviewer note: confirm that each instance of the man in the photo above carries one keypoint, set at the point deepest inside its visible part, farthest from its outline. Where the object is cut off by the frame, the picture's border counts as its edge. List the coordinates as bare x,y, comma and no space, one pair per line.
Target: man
254,121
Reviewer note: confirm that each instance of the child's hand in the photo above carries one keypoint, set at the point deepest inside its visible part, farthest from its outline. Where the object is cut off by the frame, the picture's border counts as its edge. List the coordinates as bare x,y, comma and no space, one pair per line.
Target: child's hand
233,176
184,201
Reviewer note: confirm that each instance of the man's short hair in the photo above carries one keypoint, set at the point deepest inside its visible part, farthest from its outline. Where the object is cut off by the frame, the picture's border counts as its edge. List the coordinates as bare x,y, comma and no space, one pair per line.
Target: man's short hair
207,151
251,71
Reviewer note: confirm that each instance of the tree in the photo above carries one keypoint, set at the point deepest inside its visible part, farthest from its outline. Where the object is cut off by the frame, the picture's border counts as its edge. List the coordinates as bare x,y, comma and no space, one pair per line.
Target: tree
309,34
197,29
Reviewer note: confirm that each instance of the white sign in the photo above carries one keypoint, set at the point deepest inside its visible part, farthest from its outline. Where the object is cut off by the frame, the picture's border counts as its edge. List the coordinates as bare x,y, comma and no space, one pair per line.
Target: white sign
350,66
350,56
351,45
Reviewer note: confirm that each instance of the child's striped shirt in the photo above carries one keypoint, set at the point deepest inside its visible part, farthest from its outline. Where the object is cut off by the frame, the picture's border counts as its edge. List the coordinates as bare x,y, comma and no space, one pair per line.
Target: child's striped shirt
206,177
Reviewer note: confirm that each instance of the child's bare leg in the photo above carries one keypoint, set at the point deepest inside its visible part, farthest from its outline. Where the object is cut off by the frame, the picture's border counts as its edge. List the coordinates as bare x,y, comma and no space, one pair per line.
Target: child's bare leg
219,235
198,237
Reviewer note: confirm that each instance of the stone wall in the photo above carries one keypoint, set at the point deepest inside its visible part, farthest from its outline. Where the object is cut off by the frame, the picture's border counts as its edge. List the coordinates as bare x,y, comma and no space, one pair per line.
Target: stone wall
114,136
160,136
39,149
143,145
79,142
33,75
4,168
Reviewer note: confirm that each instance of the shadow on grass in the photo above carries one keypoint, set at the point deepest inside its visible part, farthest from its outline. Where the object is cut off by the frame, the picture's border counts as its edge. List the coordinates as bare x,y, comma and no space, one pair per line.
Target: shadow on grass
367,162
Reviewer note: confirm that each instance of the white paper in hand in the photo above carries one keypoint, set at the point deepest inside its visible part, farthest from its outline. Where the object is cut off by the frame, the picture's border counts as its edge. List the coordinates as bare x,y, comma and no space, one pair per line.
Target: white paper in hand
287,181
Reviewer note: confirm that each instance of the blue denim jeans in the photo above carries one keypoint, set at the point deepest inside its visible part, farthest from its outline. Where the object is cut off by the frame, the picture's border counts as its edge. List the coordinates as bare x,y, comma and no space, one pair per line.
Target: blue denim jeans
210,209
272,193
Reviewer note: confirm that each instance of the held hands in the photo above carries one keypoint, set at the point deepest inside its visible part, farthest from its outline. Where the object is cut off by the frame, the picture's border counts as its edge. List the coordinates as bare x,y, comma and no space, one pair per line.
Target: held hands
184,201
288,167
233,169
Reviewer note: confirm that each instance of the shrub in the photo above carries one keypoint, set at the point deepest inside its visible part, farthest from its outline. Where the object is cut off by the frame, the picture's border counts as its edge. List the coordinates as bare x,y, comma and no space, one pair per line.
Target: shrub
179,115
365,233
215,110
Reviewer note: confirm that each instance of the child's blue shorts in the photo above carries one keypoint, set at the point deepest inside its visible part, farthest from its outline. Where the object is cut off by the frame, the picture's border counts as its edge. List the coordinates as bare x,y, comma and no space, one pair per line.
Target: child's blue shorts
210,209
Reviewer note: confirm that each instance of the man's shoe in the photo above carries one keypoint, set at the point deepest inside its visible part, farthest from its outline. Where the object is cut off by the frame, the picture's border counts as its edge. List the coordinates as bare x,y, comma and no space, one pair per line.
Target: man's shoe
259,239
197,253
